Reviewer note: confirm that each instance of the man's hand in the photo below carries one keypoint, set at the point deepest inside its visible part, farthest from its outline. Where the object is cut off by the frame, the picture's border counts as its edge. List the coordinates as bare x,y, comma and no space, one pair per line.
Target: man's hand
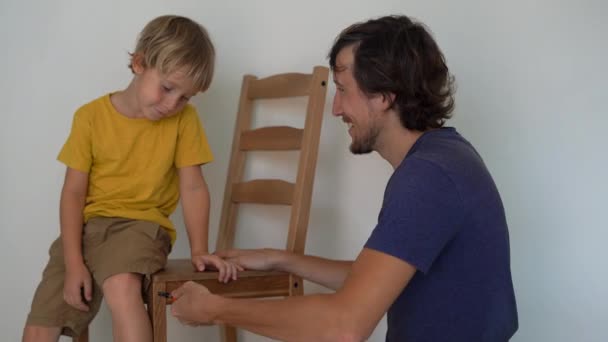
253,259
191,304
76,284
227,270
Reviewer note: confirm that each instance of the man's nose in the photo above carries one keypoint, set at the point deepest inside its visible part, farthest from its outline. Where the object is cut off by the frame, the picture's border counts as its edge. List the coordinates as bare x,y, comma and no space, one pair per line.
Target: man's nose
336,108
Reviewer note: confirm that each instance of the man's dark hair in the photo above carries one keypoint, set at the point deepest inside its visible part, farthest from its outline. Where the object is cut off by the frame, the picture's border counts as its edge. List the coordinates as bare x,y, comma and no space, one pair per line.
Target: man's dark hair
395,55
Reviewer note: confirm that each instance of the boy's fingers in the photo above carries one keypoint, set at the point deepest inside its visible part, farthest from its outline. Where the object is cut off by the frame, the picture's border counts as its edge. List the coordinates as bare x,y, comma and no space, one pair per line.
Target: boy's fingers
237,265
82,306
78,304
234,271
88,290
222,272
229,271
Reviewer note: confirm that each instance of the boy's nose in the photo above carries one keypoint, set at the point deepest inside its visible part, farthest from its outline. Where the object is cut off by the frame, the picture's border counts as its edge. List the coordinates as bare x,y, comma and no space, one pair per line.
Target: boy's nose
170,104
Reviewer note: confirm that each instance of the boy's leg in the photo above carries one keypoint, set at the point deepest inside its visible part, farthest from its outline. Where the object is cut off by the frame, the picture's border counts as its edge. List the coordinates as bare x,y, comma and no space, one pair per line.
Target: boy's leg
37,333
130,320
126,253
50,315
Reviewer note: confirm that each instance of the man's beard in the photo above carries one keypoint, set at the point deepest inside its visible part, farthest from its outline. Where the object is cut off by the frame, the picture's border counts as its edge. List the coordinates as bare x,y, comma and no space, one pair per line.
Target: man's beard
367,143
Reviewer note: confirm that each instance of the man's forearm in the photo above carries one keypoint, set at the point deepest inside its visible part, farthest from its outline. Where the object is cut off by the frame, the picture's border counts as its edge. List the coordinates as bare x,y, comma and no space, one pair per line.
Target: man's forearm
326,272
311,318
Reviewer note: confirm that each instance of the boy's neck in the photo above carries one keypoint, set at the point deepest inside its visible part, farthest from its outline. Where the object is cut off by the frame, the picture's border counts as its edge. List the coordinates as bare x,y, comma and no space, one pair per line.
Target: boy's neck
125,103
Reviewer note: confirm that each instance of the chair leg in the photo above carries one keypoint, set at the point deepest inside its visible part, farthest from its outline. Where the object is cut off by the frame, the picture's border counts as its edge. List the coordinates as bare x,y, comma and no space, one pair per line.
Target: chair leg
228,333
83,337
157,310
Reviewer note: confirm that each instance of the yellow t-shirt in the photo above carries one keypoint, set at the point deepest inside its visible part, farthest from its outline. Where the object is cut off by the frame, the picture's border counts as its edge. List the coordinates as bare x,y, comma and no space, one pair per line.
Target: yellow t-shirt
132,163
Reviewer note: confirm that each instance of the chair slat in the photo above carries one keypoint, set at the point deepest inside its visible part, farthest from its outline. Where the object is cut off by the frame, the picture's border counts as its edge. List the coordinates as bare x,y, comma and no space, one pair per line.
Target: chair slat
278,86
263,191
279,138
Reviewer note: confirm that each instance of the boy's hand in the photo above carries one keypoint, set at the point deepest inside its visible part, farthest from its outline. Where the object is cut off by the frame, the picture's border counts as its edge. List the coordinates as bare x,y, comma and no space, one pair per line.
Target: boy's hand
78,284
227,270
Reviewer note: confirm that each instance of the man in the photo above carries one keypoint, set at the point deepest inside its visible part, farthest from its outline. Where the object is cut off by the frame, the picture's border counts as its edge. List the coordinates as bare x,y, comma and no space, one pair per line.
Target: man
438,259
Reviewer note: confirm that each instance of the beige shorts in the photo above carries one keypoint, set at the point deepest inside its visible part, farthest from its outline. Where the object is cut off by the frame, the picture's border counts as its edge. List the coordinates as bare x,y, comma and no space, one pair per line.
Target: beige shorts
110,246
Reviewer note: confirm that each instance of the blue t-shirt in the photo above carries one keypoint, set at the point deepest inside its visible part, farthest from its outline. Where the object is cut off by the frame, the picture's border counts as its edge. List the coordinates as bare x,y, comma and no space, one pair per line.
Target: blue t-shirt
442,214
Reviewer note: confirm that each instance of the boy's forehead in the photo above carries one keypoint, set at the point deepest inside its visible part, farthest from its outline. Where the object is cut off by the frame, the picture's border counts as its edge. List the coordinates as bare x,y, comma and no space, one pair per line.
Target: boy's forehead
177,74
181,79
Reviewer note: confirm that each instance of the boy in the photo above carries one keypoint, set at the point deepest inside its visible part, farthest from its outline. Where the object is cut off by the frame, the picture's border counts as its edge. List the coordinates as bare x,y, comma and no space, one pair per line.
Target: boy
130,156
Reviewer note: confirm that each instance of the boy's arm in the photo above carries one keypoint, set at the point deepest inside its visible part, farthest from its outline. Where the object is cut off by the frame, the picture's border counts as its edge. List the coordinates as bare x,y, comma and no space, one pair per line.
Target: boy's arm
195,205
326,272
73,196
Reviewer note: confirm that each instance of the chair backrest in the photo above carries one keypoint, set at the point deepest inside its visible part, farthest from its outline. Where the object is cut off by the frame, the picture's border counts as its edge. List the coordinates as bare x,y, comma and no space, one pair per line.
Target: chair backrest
275,138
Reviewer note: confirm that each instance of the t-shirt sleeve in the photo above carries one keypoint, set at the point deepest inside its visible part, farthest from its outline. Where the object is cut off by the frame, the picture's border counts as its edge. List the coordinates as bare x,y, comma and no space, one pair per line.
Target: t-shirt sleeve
421,213
76,152
192,146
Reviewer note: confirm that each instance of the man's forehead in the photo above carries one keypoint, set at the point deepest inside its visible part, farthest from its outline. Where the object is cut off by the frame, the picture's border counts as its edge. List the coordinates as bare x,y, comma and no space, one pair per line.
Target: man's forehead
340,72
345,57
344,61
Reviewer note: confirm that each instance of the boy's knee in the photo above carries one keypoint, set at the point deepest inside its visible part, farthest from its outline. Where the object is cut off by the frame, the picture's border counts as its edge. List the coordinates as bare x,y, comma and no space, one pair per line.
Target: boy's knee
122,288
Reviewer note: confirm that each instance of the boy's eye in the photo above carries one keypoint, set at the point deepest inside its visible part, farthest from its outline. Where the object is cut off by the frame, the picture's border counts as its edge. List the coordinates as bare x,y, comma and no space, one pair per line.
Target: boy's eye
167,89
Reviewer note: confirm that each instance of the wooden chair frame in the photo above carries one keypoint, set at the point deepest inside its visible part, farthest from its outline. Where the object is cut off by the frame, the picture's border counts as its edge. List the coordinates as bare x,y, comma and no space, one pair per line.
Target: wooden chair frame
255,284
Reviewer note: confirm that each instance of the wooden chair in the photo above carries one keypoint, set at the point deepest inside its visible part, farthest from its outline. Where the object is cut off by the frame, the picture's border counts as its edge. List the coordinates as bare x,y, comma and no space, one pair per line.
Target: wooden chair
255,284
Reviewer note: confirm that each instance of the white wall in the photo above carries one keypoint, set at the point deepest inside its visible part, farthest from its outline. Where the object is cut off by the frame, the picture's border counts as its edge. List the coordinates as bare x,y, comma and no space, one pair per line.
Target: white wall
531,96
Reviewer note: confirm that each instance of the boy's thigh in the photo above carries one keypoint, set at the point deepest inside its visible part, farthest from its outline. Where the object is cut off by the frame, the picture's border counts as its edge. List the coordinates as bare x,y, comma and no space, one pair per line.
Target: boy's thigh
116,245
48,306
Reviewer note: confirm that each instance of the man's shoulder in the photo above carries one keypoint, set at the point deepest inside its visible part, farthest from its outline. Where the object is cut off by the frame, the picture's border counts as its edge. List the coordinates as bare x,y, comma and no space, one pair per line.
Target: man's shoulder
443,151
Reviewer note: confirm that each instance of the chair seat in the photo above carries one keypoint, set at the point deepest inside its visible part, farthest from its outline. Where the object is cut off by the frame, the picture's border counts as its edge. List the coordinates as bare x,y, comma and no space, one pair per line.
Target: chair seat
250,284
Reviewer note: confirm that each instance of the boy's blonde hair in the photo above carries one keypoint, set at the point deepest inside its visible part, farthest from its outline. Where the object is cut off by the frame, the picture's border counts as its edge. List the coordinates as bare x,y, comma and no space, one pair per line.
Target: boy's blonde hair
170,43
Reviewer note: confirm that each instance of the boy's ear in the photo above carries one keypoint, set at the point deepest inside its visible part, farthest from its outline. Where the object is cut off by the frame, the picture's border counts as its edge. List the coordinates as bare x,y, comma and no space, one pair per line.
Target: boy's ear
137,63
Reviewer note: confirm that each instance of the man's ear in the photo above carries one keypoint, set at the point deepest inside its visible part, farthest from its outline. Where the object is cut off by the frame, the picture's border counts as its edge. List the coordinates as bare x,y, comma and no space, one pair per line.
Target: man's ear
137,63
387,101
383,102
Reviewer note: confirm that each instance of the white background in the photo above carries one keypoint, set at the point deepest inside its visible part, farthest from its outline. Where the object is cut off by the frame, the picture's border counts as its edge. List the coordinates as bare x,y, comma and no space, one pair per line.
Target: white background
531,97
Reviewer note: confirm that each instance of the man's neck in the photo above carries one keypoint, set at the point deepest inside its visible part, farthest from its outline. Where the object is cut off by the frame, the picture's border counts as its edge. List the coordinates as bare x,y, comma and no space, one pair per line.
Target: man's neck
395,141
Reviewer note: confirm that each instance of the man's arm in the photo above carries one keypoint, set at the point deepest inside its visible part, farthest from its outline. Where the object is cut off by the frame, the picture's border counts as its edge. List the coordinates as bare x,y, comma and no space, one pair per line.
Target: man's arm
326,272
195,205
71,206
351,314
